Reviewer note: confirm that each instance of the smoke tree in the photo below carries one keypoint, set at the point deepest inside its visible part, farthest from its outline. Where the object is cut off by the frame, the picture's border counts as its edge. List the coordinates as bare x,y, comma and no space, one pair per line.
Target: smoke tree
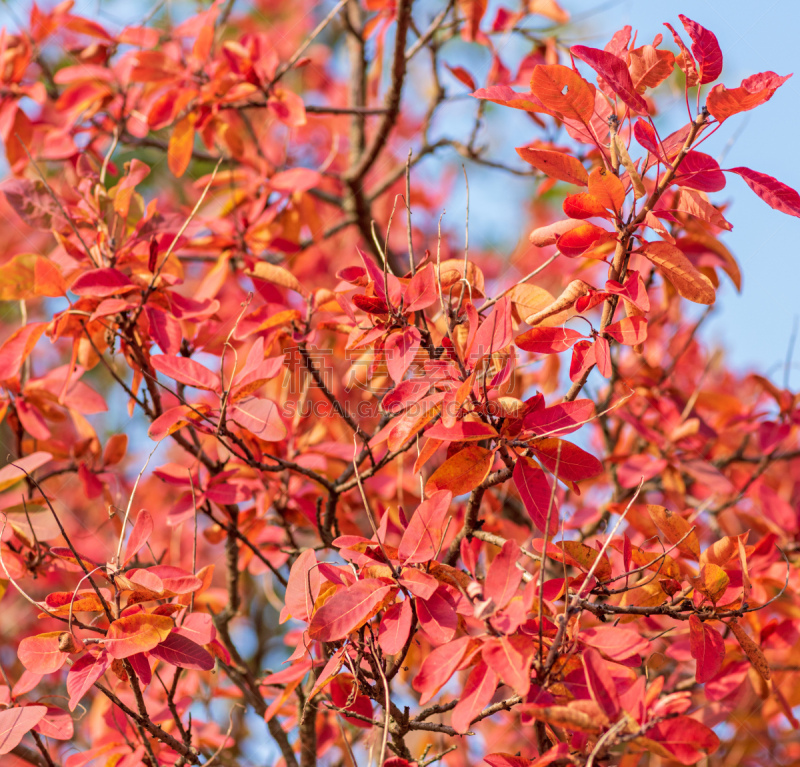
298,475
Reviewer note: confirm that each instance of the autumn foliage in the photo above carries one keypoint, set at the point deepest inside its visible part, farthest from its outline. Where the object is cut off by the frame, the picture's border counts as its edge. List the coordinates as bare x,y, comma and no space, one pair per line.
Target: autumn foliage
298,475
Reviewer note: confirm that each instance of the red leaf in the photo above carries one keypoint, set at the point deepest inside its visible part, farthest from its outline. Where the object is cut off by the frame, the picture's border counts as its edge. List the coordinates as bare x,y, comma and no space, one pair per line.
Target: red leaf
567,461
463,76
700,171
560,419
503,577
685,738
395,627
506,760
583,357
344,693
186,371
646,136
557,165
536,495
139,536
99,283
629,330
706,50
583,205
478,691
438,666
601,683
437,616
16,722
423,536
685,60
547,340
348,609
581,238
776,194
615,72
707,647
180,651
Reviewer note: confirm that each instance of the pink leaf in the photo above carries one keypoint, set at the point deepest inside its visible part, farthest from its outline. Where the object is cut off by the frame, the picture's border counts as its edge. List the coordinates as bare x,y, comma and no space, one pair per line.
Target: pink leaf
503,577
423,536
302,589
261,417
16,722
140,534
601,683
438,666
400,349
186,371
395,627
40,654
478,691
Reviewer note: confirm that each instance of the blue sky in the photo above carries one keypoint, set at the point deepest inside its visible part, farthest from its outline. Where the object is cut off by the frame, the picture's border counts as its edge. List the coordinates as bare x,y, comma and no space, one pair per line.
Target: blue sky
754,327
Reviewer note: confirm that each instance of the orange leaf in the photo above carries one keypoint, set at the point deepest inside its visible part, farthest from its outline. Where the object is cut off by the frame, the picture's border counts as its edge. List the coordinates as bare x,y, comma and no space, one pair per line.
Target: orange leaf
181,143
558,165
674,528
607,189
752,650
687,280
136,633
462,472
564,91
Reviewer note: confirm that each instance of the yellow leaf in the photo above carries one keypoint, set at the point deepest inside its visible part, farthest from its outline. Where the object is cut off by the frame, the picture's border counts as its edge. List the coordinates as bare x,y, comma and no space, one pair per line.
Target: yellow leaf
181,144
